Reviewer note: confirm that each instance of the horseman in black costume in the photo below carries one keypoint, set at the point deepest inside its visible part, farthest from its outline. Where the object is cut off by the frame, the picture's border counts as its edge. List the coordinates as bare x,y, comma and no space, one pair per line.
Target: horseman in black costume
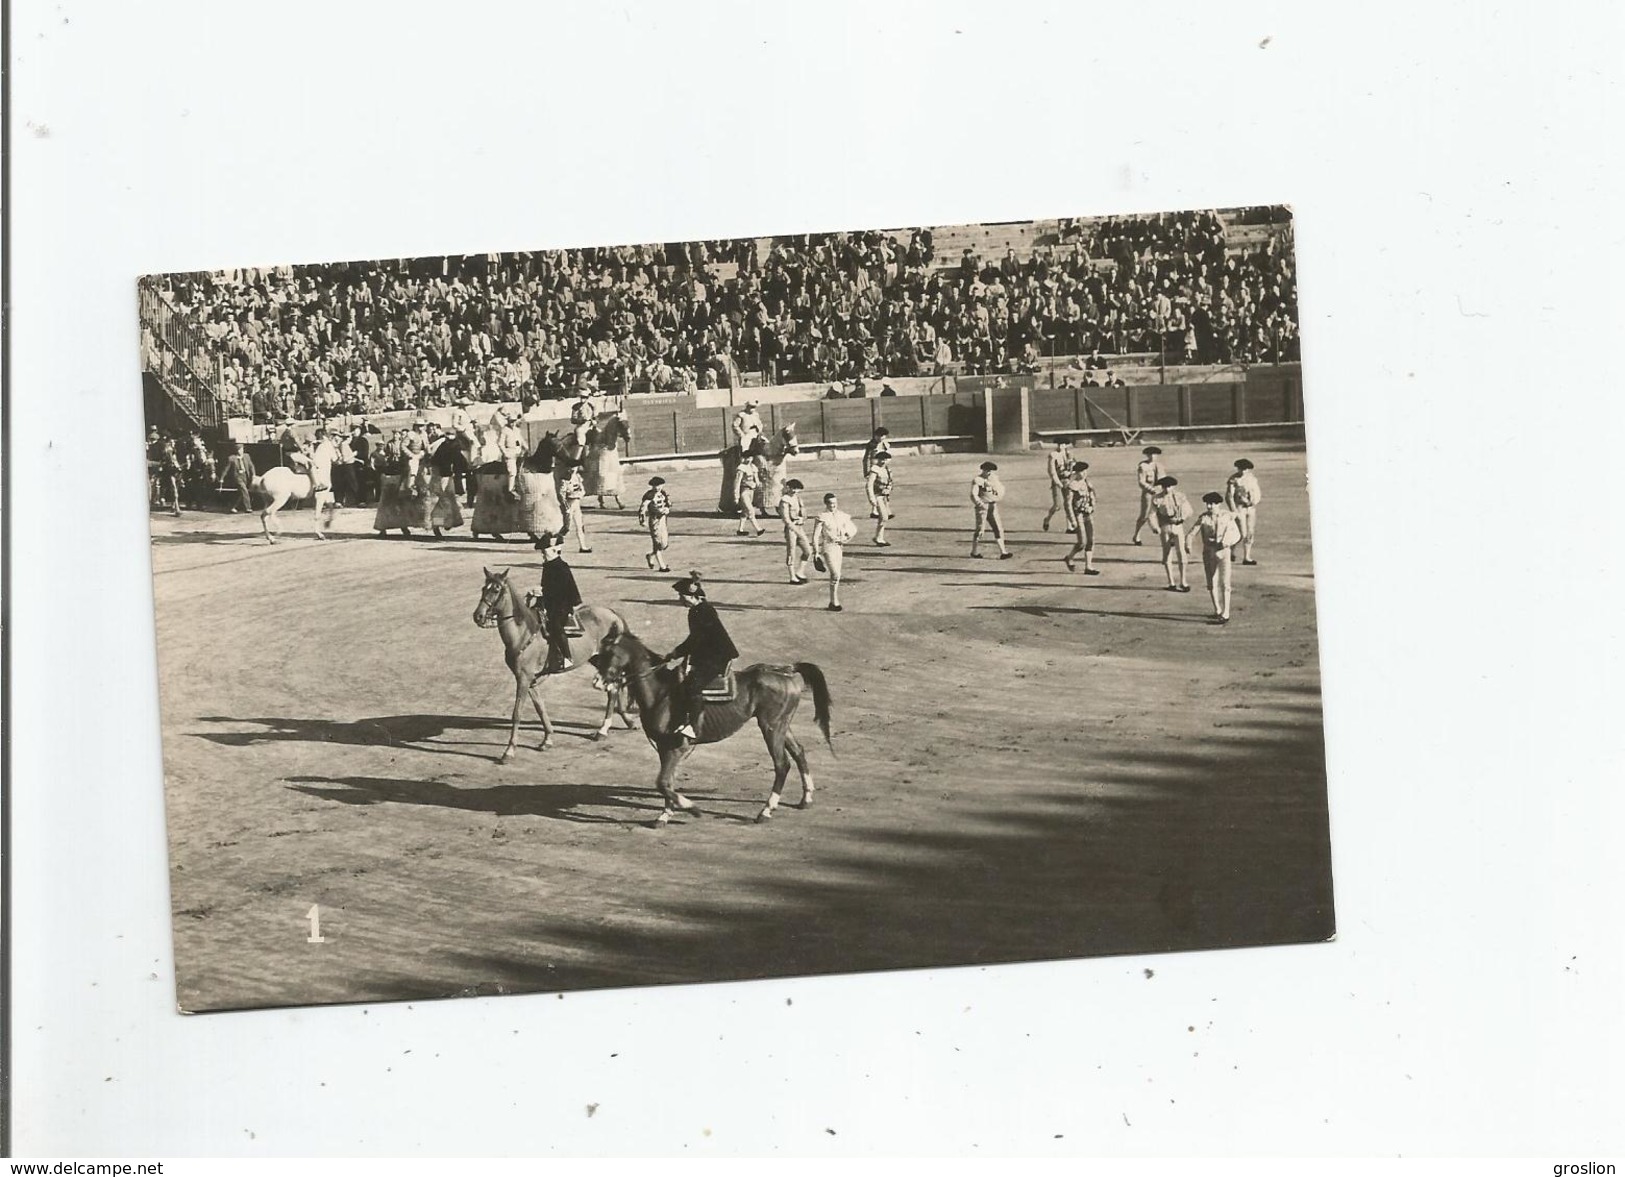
708,649
558,598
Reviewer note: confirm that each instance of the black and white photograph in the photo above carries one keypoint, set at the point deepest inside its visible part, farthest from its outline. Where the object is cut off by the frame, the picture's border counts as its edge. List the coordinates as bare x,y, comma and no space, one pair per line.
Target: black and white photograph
735,608
854,581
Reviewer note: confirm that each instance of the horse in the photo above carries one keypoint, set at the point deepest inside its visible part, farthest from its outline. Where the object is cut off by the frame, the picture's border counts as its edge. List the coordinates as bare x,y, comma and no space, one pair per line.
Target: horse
280,485
780,449
537,508
503,607
433,510
601,468
772,451
199,472
766,693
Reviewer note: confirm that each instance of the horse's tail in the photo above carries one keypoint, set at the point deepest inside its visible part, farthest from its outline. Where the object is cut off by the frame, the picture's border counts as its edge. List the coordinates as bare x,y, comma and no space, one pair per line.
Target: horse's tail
820,689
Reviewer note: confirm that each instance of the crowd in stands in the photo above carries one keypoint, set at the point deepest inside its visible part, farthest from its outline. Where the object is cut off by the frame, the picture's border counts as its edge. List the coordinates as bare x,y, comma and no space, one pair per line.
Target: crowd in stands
366,337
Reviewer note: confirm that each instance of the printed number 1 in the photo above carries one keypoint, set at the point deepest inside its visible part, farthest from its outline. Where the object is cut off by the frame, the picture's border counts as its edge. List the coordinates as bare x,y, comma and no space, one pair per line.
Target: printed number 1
314,915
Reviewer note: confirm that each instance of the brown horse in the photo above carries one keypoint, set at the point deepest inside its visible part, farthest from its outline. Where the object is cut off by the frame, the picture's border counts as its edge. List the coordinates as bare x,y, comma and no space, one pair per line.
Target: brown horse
767,694
503,606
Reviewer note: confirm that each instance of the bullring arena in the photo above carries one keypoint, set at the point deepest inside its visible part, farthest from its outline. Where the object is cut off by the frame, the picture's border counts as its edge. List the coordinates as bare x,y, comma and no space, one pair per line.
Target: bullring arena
1028,764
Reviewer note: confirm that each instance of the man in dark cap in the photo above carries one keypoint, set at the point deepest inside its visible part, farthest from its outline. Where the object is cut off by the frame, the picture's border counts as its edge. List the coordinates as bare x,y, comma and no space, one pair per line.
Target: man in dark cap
1241,495
797,547
878,487
239,473
1220,534
1170,510
986,493
559,598
1081,506
361,446
708,649
653,511
1147,473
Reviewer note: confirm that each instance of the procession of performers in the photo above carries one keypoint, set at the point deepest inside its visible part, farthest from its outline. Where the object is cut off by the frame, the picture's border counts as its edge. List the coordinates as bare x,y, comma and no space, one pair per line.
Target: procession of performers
426,472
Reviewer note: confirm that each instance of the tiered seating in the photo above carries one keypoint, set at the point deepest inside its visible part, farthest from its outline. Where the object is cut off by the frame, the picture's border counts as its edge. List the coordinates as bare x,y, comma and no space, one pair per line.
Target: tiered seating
1189,287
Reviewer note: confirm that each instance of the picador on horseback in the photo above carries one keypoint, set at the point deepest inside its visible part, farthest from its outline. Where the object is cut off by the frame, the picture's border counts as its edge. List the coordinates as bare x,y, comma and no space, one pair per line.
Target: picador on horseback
709,651
558,598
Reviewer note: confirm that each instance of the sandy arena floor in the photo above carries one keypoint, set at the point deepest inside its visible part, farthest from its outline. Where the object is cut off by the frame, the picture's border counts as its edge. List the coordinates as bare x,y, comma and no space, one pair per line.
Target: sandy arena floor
1031,764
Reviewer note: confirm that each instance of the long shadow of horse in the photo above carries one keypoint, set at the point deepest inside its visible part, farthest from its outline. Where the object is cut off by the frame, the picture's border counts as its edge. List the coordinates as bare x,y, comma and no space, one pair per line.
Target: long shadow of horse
936,570
208,537
1049,610
554,801
1093,586
739,606
421,732
645,577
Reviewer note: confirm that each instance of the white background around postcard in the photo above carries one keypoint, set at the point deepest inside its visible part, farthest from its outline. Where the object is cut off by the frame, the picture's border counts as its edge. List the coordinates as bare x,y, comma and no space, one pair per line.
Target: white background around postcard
1455,171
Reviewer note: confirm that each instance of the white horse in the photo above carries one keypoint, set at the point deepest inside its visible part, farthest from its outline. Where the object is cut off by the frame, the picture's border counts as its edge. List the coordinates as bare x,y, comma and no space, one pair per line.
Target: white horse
282,485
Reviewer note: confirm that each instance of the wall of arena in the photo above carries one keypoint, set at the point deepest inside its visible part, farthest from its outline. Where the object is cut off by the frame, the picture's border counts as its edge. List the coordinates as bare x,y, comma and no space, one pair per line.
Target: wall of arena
1265,396
670,427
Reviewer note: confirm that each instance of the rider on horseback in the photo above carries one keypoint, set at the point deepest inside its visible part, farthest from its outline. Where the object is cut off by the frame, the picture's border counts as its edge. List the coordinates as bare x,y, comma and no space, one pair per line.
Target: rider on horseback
559,598
708,649
511,446
583,415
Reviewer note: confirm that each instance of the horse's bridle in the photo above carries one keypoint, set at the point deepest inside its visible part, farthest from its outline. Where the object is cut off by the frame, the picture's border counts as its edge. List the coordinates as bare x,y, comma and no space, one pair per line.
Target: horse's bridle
490,606
626,672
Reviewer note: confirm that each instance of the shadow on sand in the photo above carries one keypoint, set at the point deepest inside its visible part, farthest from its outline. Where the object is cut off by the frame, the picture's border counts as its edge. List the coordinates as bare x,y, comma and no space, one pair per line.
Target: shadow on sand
1224,844
421,732
554,801
1048,610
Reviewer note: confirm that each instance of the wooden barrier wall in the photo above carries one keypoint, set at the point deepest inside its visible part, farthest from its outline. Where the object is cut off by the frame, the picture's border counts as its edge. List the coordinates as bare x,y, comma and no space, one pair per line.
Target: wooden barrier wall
681,428
676,426
1259,400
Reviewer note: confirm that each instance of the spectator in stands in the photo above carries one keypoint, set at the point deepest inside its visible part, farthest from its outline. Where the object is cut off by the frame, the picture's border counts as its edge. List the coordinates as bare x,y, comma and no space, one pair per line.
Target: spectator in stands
359,338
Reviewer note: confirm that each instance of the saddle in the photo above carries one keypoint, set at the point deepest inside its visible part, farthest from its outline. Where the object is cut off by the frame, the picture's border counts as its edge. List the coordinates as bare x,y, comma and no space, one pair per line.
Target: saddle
723,690
572,627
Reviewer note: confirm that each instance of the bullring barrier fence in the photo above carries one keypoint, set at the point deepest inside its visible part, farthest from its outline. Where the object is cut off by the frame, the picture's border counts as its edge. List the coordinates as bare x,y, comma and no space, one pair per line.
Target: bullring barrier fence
993,413
999,414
